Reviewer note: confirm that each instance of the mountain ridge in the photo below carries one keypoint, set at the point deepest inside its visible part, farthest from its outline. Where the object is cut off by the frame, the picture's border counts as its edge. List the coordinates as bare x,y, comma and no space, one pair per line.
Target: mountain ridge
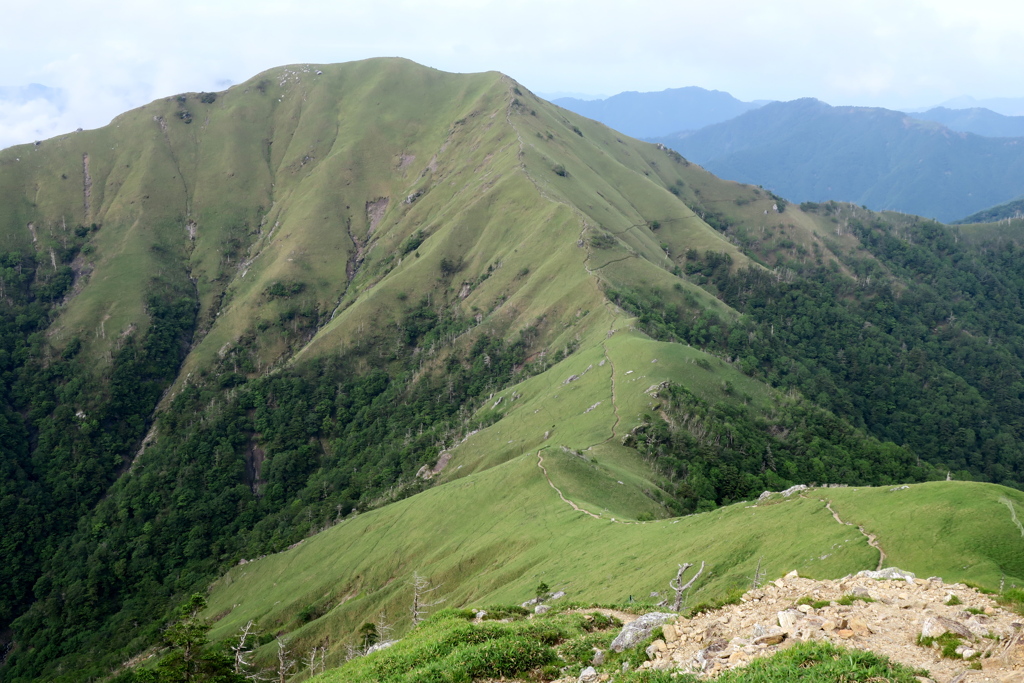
233,320
651,114
883,159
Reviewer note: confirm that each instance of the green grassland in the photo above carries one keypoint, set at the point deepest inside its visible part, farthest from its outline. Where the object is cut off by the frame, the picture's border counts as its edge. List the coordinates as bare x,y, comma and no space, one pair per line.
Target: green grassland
492,536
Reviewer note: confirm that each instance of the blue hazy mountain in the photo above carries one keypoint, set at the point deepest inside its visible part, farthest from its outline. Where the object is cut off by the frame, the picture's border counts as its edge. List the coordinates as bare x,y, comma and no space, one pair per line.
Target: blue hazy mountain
977,120
806,150
650,114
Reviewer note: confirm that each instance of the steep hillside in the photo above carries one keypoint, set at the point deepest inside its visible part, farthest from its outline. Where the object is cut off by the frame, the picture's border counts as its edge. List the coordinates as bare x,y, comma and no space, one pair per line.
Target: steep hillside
378,297
806,150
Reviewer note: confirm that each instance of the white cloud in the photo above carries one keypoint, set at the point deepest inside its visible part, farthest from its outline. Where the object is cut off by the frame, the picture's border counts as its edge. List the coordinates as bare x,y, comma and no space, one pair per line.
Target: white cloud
122,53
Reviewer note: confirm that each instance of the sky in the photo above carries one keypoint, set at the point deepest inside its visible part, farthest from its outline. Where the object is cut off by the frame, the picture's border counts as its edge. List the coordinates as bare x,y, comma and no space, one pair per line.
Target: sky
108,57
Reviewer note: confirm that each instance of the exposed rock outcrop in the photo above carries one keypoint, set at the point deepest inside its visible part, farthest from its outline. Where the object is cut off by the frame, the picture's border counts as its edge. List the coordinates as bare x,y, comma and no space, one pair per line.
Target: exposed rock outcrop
895,616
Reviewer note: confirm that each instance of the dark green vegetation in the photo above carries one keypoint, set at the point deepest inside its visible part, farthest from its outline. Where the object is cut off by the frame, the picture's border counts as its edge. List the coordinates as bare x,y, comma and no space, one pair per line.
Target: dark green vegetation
1009,211
239,322
449,648
719,454
67,431
921,346
806,150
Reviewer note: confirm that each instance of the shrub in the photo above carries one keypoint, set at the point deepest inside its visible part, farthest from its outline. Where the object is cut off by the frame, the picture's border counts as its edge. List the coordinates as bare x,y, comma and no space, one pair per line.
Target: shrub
414,242
848,599
449,266
284,289
513,612
948,643
560,170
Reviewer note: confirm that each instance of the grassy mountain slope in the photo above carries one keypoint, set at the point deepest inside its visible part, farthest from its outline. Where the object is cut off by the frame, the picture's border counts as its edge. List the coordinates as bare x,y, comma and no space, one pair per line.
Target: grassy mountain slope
290,301
520,533
808,151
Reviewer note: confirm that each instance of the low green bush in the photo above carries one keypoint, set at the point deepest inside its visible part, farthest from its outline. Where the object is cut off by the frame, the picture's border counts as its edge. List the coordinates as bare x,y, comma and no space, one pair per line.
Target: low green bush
810,662
849,599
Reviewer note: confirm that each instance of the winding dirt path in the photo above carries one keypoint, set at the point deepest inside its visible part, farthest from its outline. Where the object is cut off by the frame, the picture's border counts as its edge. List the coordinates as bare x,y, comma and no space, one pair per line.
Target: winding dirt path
615,405
872,539
1013,513
574,506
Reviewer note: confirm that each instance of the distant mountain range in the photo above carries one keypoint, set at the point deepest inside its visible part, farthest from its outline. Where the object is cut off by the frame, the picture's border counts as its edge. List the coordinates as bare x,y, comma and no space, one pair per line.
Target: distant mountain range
976,120
941,163
651,114
806,150
1007,106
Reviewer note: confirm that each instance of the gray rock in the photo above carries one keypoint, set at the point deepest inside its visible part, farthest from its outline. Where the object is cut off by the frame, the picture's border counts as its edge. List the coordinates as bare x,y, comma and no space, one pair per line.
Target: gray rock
382,645
541,609
892,573
598,659
861,592
588,675
706,657
636,631
788,620
481,614
934,627
557,595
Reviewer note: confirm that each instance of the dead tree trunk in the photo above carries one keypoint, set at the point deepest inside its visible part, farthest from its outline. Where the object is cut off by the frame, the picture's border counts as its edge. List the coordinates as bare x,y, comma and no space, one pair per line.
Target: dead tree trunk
241,650
678,586
285,663
421,588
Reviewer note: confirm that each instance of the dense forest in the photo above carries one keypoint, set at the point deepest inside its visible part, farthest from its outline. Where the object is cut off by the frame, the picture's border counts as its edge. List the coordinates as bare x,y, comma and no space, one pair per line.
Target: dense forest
922,346
203,496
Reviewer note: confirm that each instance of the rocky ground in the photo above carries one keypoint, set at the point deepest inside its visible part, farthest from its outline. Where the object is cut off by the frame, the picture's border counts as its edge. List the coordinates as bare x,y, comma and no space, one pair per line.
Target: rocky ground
885,616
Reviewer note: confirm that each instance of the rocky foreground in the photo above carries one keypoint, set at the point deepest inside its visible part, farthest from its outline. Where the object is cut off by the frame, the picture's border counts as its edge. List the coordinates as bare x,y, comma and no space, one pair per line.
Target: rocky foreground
888,616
